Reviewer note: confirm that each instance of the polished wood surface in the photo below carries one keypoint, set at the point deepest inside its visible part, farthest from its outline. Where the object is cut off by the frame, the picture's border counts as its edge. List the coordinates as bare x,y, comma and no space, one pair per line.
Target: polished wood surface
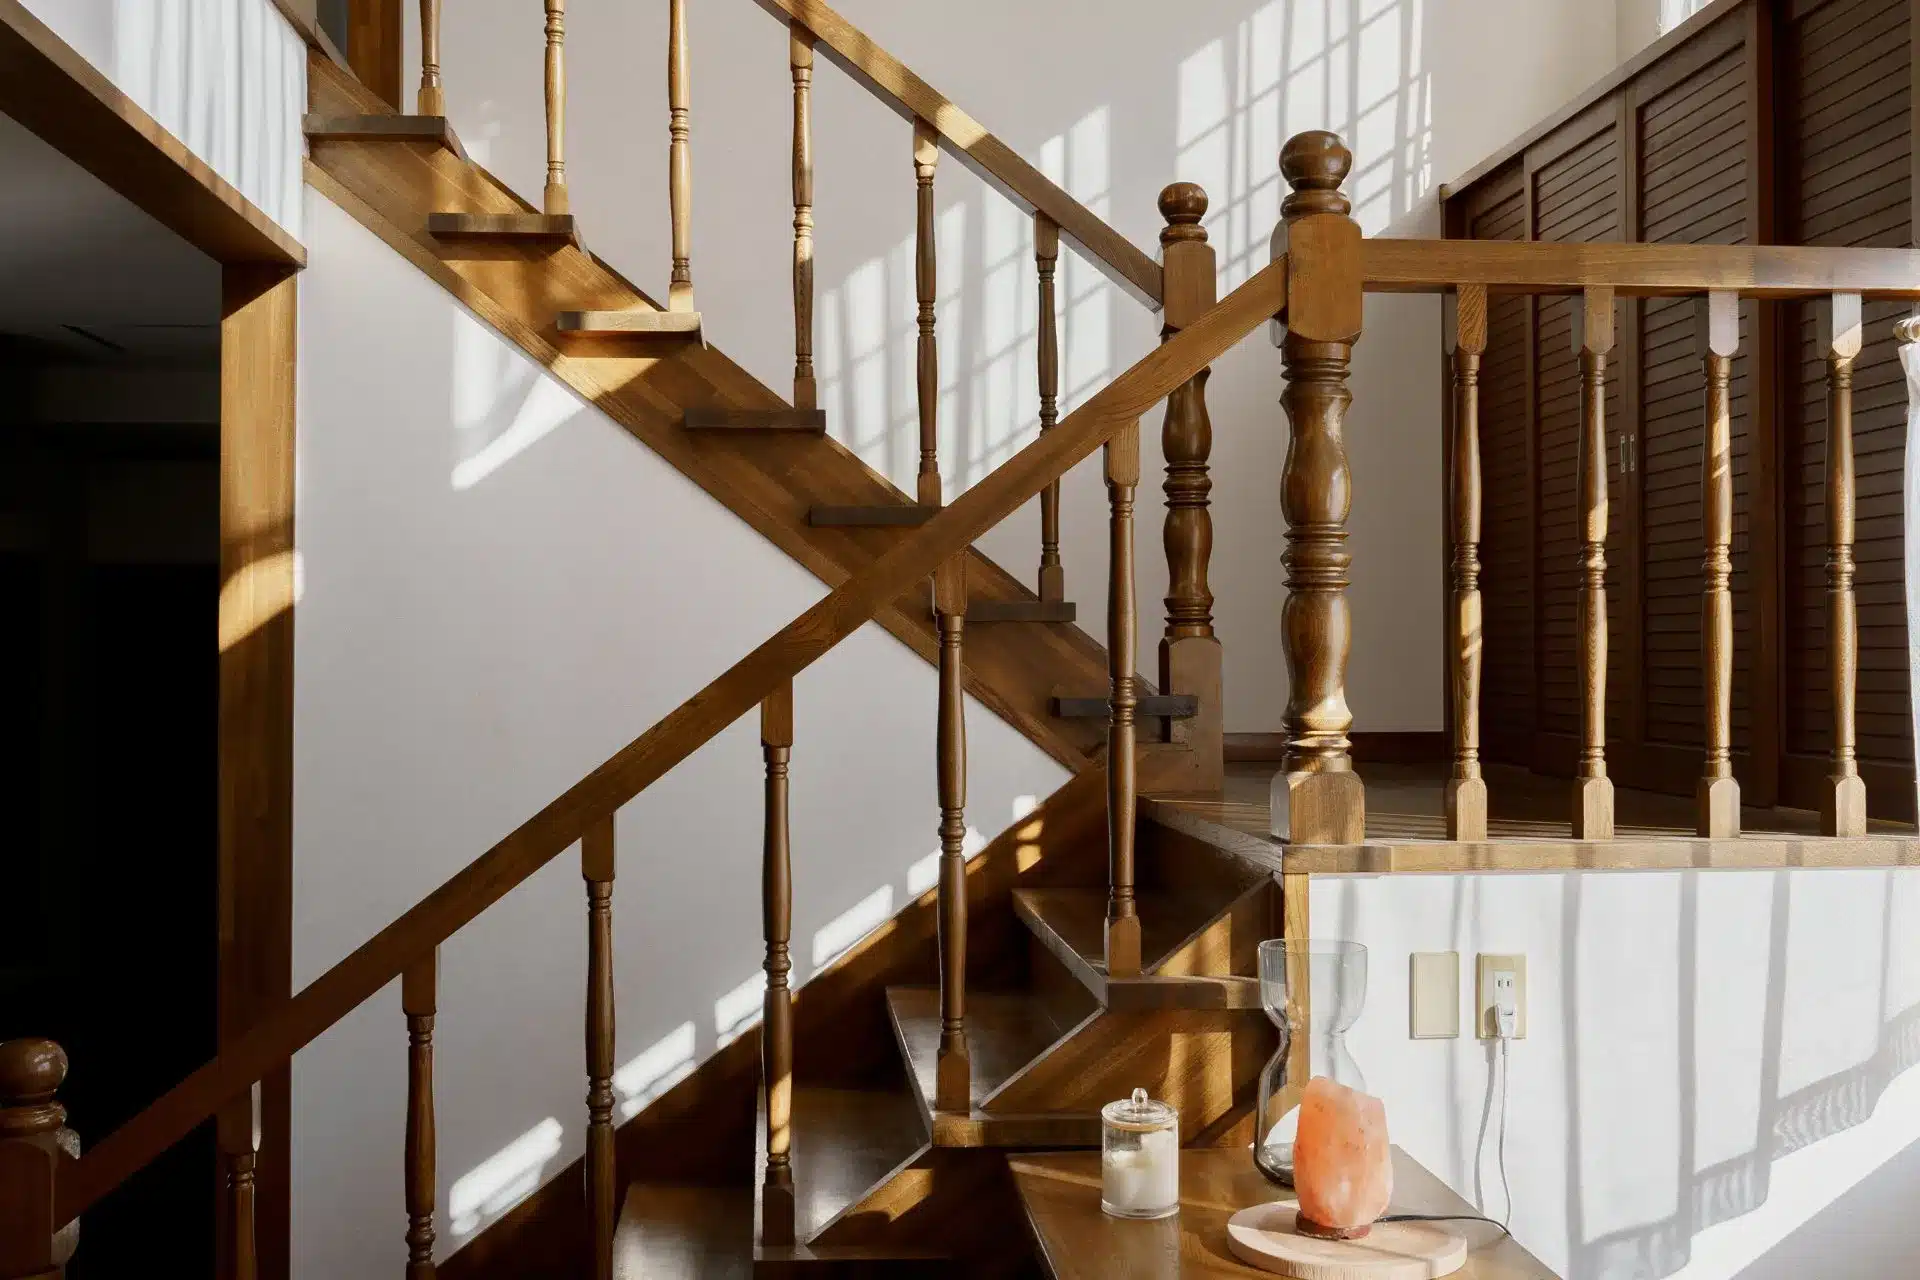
432,98
1123,626
602,1183
1190,656
806,392
237,1134
680,157
1022,611
259,350
420,1000
638,322
1843,803
1320,798
1062,1197
926,155
376,45
1592,789
554,200
1169,706
996,163
1052,583
548,230
776,1037
57,94
1718,795
1466,789
435,130
1638,270
950,614
1527,830
35,1148
890,516
808,420
850,605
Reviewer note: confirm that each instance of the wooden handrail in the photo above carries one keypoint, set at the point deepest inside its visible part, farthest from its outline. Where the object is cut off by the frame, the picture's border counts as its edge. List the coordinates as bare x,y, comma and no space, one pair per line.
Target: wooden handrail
1638,270
999,165
495,873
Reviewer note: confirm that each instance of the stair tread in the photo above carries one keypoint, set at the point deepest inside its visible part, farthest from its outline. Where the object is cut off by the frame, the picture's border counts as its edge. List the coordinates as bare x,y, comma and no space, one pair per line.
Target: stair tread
382,128
1077,919
635,320
725,419
869,516
1005,1032
673,1231
1022,611
845,1142
559,228
1176,706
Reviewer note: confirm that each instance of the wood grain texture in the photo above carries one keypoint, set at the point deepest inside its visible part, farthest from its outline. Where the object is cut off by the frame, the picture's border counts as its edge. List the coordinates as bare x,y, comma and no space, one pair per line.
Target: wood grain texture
994,161
1466,790
1638,270
432,98
554,200
61,97
376,46
1123,922
237,1135
435,130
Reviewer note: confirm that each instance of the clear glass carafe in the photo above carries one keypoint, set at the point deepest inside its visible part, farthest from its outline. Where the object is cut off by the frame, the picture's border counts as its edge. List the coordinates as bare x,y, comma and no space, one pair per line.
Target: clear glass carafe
1313,991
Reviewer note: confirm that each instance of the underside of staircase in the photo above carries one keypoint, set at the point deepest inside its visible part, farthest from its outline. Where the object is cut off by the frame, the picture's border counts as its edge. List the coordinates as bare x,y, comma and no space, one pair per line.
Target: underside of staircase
533,279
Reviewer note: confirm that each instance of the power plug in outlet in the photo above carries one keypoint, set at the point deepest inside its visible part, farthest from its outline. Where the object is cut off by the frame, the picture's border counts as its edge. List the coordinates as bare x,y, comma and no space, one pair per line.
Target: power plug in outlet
1501,987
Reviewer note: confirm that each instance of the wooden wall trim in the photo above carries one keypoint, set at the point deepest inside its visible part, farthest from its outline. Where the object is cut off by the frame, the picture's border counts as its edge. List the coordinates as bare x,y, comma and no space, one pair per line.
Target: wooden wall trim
258,356
60,96
376,47
1600,88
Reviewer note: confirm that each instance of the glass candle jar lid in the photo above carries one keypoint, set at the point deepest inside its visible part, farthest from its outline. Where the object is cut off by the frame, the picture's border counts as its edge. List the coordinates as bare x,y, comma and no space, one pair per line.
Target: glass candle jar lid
1139,1114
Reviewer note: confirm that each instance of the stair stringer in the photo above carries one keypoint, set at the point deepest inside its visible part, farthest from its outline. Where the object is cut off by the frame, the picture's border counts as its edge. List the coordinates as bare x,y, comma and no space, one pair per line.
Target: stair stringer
769,479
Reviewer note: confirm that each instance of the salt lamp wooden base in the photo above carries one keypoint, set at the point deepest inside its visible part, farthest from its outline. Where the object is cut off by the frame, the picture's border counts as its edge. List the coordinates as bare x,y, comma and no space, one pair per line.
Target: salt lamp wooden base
1265,1237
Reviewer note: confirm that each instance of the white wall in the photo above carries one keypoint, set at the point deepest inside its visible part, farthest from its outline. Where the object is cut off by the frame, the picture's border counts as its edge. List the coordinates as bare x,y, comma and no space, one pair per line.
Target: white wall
1714,1081
1114,101
226,77
499,588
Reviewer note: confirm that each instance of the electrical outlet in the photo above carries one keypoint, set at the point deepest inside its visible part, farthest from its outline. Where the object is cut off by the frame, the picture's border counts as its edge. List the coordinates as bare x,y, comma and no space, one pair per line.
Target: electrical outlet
1501,980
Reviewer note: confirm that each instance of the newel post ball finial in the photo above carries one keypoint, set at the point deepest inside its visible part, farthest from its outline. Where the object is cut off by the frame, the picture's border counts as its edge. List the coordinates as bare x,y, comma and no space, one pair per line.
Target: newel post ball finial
1183,204
1314,164
31,1072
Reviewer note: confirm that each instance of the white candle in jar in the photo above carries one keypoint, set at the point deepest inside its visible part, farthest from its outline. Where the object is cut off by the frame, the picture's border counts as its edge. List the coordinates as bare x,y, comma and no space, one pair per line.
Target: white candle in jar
1140,1158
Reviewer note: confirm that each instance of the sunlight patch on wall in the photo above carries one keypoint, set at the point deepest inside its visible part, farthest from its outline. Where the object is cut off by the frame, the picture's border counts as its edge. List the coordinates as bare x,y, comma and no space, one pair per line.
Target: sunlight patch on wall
924,873
739,1009
501,405
503,1179
839,935
654,1070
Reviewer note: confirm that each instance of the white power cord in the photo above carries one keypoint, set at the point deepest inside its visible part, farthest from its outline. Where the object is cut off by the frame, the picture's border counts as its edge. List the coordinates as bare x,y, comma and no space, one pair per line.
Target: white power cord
1506,1023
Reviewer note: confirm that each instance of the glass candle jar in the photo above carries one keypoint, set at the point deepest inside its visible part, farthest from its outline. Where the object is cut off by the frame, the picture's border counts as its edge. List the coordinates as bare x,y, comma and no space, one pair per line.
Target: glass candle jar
1139,1158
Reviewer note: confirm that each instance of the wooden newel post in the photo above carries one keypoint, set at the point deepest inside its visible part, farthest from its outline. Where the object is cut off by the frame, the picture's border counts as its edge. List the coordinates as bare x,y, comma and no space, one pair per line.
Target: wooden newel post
1466,337
1592,788
34,1144
1843,801
1316,797
776,1044
1717,798
1189,650
953,1072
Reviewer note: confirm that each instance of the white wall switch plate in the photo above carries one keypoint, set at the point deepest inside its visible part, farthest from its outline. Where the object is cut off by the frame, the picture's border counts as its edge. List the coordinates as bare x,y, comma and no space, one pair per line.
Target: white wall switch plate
1433,987
1483,1000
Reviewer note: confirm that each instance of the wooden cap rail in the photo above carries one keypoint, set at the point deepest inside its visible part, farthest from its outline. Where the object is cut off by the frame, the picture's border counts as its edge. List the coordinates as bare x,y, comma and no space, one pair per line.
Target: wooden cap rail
1638,270
401,945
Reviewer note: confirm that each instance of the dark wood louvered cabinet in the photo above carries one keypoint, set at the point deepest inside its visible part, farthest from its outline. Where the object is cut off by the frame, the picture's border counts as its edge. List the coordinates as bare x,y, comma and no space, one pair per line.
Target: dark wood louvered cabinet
1759,121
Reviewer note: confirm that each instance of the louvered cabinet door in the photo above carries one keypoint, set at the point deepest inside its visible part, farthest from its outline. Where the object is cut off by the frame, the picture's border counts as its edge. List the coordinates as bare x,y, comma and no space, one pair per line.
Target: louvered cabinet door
1576,187
1506,468
1846,71
1694,128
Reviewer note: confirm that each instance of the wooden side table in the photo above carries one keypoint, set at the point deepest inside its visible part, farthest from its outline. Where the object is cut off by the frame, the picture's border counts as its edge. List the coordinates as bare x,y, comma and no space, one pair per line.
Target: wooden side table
1079,1242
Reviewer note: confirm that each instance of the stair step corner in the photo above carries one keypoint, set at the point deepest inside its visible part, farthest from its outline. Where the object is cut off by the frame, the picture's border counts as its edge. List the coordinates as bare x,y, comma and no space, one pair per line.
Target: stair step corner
636,322
436,130
551,229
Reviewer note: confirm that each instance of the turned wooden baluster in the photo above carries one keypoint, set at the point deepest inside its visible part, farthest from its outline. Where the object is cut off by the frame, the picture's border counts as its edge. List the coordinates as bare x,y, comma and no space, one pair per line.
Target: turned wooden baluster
926,153
680,157
236,1130
806,393
34,1144
432,98
953,1074
1466,335
596,866
419,998
1046,258
1843,802
1317,798
1189,650
776,1043
1123,916
1592,788
556,193
1717,798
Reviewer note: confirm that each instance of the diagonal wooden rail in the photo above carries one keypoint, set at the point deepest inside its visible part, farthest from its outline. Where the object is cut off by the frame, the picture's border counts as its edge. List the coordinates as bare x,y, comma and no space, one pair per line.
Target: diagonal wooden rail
997,164
490,877
1638,270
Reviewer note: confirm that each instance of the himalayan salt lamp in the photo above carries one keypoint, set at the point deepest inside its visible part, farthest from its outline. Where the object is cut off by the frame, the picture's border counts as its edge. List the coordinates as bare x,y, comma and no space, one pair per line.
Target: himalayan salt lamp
1342,1169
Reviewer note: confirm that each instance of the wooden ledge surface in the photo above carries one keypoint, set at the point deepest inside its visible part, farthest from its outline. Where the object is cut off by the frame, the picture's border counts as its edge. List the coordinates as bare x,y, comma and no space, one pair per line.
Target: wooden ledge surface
1638,270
